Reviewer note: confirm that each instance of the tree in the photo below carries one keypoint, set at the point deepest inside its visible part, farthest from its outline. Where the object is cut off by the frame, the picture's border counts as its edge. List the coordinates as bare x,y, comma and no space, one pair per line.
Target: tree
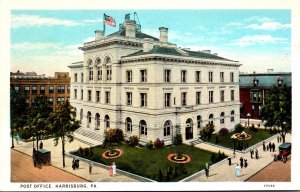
206,132
62,124
37,117
17,111
277,109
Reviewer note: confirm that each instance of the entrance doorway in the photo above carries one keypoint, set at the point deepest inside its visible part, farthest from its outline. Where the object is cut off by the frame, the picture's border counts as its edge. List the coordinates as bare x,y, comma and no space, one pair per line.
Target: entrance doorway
189,129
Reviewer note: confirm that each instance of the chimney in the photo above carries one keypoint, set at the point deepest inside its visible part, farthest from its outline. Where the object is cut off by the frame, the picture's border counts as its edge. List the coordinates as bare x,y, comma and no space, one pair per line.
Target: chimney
98,35
163,36
130,28
148,44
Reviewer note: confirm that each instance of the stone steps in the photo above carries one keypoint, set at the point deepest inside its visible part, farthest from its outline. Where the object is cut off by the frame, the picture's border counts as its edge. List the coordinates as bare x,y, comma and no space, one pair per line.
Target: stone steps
88,137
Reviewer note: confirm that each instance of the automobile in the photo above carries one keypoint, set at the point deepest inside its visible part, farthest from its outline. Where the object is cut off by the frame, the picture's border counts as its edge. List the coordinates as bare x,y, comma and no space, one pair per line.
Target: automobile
284,151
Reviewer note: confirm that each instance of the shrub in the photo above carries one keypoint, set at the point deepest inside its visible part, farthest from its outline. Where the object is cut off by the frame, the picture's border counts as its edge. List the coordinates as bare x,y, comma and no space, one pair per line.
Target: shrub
150,145
133,140
206,132
217,140
177,139
159,144
238,128
114,135
80,151
224,131
25,133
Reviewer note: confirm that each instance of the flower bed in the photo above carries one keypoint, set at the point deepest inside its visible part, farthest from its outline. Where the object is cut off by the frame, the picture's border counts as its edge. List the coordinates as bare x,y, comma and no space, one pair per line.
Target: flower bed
182,158
112,153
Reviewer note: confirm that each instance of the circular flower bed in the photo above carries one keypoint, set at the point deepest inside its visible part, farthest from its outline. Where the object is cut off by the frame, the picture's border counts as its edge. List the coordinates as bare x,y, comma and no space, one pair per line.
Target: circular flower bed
182,158
243,136
112,153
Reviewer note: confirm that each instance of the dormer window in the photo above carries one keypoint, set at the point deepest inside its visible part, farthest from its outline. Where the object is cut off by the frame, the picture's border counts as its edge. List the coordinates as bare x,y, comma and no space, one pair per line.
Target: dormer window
279,81
255,82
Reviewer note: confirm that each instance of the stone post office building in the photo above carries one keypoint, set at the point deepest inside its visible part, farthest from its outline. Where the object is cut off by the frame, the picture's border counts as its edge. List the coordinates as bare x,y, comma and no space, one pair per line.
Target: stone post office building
151,88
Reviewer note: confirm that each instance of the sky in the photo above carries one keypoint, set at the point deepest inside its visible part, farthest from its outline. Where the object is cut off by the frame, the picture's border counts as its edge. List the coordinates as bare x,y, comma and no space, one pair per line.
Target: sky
46,41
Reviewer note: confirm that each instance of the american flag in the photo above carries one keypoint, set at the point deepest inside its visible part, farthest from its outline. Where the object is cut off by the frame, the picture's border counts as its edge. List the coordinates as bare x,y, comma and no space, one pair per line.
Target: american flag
109,20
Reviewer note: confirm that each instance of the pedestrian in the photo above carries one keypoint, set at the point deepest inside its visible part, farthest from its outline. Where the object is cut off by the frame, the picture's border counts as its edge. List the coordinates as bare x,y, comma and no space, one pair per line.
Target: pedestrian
34,157
245,162
18,139
90,167
267,147
73,164
241,162
237,170
280,139
229,160
114,169
264,146
270,146
206,171
256,154
41,145
273,147
251,153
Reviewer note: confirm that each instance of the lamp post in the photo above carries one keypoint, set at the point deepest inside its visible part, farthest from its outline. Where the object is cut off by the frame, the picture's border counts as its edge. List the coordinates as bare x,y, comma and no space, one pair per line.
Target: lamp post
33,140
248,116
244,136
234,138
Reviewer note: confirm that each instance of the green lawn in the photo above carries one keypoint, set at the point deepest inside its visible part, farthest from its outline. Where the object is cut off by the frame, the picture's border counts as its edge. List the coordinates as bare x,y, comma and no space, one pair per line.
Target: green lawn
145,162
257,137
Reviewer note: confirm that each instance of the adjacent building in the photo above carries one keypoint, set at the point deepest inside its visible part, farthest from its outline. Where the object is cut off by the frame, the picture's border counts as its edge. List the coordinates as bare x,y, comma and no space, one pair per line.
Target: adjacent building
56,88
151,88
255,86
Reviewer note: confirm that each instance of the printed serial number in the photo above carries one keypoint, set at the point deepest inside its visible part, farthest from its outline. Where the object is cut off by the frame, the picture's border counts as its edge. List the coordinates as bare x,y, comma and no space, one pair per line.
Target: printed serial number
269,185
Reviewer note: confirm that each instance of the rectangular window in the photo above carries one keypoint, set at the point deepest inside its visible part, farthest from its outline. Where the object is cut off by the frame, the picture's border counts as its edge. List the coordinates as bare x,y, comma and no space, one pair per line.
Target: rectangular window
167,131
27,102
129,76
34,89
97,96
221,76
129,98
81,94
143,99
232,95
51,89
75,93
27,89
198,97
211,96
61,89
107,97
183,99
91,74
167,76
81,79
50,100
68,89
75,77
222,96
108,72
183,76
210,76
60,100
231,77
32,102
99,73
17,88
42,89
89,95
143,75
167,99
198,76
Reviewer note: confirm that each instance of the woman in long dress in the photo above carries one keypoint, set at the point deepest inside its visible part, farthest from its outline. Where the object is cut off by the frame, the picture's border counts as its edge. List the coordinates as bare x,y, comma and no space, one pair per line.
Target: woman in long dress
114,169
237,170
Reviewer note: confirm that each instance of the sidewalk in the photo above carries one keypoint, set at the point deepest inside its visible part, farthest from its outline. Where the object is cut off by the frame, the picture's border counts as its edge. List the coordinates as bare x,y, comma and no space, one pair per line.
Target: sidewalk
98,174
224,172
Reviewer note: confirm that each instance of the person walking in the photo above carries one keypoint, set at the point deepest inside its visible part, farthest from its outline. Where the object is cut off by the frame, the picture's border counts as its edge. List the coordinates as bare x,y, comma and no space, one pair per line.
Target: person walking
241,162
41,145
270,146
280,139
264,146
273,147
245,162
229,160
237,170
256,153
90,167
18,138
251,153
277,139
206,171
114,169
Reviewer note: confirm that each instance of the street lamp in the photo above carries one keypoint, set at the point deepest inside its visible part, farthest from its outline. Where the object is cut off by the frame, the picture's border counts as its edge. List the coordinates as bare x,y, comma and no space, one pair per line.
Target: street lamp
248,116
33,140
244,136
234,138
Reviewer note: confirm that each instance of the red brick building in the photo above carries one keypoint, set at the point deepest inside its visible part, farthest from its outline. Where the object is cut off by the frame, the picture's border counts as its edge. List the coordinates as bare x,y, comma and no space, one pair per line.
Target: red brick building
254,87
56,88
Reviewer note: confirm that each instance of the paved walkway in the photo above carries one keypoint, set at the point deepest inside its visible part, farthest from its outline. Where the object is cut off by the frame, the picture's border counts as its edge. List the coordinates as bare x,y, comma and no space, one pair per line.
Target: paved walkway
224,172
98,173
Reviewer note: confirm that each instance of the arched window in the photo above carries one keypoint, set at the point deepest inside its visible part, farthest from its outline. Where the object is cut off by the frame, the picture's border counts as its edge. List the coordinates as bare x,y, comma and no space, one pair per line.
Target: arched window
189,122
222,118
107,122
107,62
199,120
211,119
89,119
81,115
232,116
98,61
97,118
167,128
90,64
99,69
128,124
143,127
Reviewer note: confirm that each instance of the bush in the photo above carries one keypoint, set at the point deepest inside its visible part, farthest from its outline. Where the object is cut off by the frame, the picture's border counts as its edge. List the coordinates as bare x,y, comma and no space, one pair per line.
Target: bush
206,132
80,151
150,145
159,144
133,140
25,133
177,139
238,128
217,140
224,131
114,135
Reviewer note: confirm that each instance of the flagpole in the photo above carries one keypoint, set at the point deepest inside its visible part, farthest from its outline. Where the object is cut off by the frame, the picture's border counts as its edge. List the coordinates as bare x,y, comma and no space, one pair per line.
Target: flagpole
104,24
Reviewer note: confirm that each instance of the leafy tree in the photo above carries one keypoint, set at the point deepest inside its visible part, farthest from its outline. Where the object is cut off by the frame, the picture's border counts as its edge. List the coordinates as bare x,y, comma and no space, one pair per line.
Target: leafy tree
206,132
177,139
17,111
238,128
62,124
277,109
37,117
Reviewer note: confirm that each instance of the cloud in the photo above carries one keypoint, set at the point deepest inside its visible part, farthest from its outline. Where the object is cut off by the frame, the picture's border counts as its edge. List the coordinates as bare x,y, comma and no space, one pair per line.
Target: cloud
26,46
269,25
259,19
257,39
